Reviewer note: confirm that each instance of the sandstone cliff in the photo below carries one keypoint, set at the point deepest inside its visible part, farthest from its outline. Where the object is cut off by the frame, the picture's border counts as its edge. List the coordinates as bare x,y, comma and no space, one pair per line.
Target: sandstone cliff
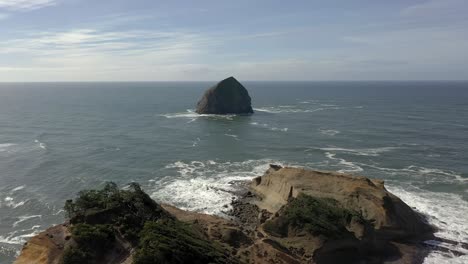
291,215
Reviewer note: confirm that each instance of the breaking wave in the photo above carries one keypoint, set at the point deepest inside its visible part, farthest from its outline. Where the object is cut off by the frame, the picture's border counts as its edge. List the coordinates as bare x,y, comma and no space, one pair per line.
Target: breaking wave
445,211
214,183
361,152
193,116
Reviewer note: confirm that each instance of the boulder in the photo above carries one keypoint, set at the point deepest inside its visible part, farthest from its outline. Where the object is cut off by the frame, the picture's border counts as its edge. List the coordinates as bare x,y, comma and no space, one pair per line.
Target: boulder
227,97
390,216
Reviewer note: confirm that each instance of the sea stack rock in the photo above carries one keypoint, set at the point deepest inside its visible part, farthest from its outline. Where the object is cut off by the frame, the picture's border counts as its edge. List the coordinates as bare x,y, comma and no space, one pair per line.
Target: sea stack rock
227,97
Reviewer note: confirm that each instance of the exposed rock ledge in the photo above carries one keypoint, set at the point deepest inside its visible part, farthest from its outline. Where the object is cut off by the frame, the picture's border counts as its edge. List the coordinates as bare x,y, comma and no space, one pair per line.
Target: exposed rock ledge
291,215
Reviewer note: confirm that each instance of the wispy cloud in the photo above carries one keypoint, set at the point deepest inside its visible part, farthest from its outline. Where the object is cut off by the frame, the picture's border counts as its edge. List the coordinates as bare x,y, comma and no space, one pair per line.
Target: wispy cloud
436,7
407,44
25,5
100,54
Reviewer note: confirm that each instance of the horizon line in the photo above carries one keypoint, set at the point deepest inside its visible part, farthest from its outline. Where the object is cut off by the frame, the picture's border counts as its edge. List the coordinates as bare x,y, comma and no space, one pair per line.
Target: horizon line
155,81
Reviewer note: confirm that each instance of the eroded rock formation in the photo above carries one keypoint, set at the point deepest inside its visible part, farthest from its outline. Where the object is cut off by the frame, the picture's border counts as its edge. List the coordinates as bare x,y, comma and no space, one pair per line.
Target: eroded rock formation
290,215
227,97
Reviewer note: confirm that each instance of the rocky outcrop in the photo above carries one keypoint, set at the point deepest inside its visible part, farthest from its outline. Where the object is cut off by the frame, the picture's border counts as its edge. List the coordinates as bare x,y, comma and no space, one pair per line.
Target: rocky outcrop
46,247
344,218
227,97
389,215
290,215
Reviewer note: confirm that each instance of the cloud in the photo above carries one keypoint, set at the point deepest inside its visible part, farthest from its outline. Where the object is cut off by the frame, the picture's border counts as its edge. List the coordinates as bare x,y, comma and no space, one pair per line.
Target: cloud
436,8
95,54
25,5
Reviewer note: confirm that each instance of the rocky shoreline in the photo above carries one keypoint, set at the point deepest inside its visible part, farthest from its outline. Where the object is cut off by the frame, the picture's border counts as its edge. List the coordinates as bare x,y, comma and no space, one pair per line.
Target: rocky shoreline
288,215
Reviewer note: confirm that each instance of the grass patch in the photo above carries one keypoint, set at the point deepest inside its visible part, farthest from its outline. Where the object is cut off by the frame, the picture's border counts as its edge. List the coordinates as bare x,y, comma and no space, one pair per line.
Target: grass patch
316,216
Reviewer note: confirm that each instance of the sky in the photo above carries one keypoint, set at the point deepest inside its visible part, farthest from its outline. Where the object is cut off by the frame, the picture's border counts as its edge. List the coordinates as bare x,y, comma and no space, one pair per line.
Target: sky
205,40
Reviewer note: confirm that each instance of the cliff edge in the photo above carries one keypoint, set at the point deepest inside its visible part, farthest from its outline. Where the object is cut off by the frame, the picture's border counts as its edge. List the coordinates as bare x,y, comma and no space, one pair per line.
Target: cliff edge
290,215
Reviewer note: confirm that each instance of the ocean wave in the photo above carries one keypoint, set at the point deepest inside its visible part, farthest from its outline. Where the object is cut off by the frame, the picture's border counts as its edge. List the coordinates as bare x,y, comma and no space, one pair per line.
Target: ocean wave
285,129
349,167
19,237
361,152
429,175
25,218
4,147
215,183
445,211
279,110
193,116
10,202
195,142
329,132
41,144
233,136
18,188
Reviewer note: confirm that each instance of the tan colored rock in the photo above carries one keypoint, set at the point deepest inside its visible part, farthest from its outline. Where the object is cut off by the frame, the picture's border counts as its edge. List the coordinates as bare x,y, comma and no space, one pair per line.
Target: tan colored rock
390,215
394,232
46,247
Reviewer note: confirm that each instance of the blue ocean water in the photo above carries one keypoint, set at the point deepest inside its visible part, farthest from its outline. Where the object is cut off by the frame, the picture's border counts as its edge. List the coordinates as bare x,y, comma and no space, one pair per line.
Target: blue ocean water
59,138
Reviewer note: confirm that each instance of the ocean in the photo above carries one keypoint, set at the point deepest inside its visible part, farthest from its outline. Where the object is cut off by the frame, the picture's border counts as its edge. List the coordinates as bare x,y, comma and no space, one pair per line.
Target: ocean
59,138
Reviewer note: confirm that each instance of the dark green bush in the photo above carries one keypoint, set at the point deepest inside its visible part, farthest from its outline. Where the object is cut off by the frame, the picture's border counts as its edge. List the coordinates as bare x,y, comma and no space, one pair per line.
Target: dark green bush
175,242
93,237
100,218
74,255
126,210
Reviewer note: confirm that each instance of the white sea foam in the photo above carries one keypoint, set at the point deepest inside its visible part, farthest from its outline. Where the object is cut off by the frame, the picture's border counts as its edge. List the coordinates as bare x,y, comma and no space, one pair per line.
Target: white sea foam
233,136
361,152
329,132
195,142
348,165
214,183
18,188
272,128
25,218
41,144
193,116
278,110
429,175
13,238
10,202
5,147
448,212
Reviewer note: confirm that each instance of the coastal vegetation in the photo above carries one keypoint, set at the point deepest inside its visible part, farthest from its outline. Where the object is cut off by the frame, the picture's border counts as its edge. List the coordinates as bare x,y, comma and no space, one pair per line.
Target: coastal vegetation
316,216
106,223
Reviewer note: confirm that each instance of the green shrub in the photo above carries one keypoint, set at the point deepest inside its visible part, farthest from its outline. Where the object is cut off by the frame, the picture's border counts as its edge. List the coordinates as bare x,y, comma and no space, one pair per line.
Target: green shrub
99,217
74,255
126,210
93,237
316,216
175,242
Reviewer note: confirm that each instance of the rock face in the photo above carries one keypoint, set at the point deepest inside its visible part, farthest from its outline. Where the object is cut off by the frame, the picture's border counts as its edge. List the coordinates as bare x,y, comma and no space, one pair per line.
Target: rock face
338,218
227,97
290,215
390,216
46,247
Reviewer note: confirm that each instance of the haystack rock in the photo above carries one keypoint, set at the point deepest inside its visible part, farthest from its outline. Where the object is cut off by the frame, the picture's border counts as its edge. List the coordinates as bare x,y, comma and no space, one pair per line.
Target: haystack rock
227,97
